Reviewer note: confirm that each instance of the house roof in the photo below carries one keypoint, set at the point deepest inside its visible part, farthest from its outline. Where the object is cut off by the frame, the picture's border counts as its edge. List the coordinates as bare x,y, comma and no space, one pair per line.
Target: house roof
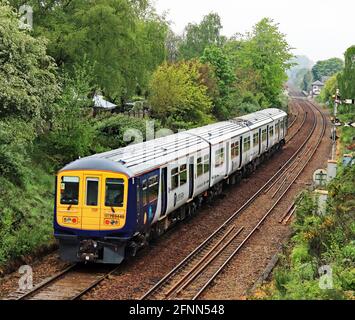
100,102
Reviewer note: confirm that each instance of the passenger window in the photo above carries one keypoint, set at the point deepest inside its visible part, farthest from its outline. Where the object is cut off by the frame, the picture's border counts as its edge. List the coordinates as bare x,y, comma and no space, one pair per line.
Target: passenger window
114,194
219,157
264,135
256,139
246,144
271,132
92,191
69,190
183,175
235,150
206,164
278,129
174,178
199,167
153,188
145,193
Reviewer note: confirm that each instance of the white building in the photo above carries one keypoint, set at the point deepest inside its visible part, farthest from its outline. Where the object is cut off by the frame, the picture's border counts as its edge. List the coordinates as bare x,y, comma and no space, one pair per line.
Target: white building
317,87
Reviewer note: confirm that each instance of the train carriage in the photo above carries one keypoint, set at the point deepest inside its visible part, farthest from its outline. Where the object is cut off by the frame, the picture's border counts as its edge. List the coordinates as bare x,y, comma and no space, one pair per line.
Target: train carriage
111,204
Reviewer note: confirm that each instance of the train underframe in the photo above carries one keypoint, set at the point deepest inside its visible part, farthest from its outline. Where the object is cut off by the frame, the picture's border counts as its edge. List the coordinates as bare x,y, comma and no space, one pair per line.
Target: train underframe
114,250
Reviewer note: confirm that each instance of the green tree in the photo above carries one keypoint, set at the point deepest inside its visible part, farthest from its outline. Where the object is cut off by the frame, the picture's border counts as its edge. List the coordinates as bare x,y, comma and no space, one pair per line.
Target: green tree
71,133
327,68
123,39
266,54
28,83
197,37
271,54
329,89
347,77
225,76
177,96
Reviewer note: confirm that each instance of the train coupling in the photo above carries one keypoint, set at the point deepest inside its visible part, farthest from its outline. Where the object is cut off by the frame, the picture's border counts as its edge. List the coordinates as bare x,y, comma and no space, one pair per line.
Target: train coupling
89,251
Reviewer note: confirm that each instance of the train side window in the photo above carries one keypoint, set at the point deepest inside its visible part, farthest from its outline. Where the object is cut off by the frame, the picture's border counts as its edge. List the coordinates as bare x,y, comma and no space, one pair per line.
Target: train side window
264,135
256,139
235,149
246,144
69,190
114,193
219,157
199,167
183,174
277,129
153,188
92,192
271,131
206,164
174,178
145,192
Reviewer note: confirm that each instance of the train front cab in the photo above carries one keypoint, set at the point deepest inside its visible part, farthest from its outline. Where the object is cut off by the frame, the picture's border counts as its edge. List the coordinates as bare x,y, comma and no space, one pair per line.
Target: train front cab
91,215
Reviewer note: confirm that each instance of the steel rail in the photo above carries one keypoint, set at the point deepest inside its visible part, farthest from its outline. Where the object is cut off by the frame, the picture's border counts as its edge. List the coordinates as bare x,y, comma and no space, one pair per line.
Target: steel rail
46,283
309,158
225,224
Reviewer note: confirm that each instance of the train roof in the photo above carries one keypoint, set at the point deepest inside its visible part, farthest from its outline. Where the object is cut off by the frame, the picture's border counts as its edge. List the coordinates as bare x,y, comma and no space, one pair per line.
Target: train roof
136,159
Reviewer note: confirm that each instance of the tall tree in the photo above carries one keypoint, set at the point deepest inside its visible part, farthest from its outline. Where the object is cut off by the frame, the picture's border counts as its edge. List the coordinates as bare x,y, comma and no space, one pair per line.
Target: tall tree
266,51
28,82
178,97
327,68
199,36
225,76
123,39
347,77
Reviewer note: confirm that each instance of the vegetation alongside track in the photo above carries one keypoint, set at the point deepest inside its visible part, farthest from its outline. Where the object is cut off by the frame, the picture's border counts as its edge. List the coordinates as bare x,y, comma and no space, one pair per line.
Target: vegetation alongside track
319,241
49,75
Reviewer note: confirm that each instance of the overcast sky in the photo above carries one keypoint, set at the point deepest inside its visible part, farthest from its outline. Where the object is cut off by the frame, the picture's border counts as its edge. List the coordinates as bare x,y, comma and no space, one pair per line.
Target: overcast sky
320,29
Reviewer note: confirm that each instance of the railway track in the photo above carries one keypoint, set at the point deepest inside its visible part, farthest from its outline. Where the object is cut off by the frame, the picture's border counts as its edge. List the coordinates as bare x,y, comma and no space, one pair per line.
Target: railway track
195,273
299,128
70,284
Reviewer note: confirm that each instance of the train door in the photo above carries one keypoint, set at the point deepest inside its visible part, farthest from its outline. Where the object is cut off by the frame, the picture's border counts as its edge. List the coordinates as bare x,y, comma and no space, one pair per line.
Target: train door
164,191
191,177
260,140
241,150
268,137
91,209
139,209
228,155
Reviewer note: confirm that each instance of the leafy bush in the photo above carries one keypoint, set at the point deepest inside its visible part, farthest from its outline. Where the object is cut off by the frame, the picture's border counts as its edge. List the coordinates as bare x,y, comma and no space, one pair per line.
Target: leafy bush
320,241
110,131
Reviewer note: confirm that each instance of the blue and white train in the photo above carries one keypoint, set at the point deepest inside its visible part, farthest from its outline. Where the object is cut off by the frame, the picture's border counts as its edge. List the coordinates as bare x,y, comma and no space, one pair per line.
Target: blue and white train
109,205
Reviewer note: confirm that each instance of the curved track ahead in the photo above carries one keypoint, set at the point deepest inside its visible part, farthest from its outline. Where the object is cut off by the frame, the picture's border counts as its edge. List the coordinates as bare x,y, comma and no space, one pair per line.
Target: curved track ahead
196,272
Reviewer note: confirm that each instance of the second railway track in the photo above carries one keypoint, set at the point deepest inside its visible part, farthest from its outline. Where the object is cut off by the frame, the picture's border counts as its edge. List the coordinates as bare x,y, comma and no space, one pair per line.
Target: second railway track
196,272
